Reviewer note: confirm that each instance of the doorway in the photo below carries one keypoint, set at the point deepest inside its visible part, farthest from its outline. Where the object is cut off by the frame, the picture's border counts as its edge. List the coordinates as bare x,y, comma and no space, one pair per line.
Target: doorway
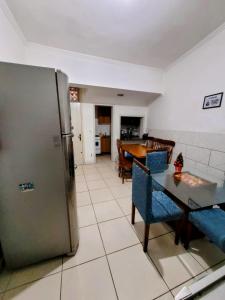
77,131
103,128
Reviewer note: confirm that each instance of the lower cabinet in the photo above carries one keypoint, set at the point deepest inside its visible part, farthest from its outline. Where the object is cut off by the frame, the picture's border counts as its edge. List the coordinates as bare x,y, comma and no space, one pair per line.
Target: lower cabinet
105,144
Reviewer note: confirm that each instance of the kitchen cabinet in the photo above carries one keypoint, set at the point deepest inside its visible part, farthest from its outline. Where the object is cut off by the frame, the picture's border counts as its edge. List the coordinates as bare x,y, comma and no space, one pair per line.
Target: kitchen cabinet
103,114
104,120
105,144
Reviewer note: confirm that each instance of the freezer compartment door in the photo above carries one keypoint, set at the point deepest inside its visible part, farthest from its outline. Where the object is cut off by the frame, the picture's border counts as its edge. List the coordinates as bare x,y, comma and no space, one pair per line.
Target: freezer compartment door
64,102
70,190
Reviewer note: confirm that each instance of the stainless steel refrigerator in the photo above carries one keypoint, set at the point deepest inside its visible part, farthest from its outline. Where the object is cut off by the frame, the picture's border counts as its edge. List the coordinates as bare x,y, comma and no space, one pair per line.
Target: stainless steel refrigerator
38,218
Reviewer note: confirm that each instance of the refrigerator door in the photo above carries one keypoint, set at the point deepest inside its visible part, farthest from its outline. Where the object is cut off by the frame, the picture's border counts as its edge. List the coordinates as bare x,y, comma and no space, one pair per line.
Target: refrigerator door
67,143
34,223
64,102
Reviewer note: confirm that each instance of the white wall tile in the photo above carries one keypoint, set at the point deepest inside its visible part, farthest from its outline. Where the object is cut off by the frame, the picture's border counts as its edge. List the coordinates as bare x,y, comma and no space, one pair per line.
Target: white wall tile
189,164
202,168
198,154
201,150
188,137
214,141
217,160
180,148
216,173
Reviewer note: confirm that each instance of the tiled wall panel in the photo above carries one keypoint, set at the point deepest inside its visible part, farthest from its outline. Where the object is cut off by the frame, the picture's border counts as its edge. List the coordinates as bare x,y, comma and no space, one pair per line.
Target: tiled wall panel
205,151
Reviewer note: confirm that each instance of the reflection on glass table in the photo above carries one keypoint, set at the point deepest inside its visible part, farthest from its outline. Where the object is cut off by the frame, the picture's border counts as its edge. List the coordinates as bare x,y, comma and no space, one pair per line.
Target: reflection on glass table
194,189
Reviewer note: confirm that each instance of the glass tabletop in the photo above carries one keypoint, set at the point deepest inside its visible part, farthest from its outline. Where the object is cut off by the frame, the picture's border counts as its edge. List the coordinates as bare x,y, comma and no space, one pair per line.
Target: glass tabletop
192,187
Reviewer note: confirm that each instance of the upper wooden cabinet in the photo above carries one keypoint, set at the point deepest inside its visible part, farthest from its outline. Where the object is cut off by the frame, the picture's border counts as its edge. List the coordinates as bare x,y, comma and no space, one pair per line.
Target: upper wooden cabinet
104,114
104,120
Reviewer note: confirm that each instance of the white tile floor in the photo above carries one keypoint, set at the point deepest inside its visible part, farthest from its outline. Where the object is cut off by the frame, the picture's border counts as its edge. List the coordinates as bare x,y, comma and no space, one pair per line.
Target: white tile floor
110,263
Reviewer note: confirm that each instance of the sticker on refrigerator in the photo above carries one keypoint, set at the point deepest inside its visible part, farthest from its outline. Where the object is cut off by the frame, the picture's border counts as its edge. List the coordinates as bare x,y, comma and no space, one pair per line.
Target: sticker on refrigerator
26,187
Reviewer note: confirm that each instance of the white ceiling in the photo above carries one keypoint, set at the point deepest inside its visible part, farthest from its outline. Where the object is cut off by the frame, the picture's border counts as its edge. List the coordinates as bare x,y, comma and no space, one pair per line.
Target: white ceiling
148,32
102,95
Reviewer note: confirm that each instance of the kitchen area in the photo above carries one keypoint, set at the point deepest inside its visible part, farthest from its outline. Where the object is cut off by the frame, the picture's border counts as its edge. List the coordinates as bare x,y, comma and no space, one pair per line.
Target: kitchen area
103,129
132,130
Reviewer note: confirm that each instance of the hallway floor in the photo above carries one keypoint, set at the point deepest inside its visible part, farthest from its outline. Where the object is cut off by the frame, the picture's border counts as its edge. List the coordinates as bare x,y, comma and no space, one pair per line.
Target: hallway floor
110,263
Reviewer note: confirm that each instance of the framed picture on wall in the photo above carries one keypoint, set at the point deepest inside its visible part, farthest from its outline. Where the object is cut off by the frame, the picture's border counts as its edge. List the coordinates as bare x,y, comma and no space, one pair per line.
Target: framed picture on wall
212,101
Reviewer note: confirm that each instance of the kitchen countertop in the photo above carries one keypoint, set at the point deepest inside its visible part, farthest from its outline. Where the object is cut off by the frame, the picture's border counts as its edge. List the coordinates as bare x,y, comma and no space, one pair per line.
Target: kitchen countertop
134,141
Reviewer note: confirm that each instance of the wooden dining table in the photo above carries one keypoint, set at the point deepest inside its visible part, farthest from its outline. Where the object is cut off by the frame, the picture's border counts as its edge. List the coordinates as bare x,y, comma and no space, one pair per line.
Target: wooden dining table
136,150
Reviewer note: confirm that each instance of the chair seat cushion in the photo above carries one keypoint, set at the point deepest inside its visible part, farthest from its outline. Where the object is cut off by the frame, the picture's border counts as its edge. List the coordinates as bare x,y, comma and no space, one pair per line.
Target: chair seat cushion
163,208
212,223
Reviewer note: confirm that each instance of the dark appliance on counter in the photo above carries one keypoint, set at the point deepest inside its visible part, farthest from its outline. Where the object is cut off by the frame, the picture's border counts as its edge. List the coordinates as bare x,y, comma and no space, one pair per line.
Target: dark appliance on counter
145,136
130,128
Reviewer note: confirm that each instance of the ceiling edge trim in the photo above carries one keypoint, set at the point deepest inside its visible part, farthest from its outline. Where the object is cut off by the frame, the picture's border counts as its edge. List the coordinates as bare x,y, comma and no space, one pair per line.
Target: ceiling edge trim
204,41
10,17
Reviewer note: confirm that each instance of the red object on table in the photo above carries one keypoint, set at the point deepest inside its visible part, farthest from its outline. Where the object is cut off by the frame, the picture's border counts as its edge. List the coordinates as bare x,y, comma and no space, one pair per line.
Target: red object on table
178,169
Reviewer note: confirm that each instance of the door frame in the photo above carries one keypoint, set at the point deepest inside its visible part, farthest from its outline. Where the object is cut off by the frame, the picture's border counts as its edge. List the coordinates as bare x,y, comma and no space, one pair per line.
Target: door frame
111,129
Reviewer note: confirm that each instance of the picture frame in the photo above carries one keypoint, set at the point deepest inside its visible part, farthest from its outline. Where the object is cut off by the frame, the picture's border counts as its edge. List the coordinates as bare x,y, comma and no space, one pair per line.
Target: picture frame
213,101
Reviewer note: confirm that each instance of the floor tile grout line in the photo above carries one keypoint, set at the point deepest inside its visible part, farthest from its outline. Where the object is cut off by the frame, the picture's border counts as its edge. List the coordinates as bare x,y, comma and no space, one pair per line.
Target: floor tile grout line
8,281
34,280
83,263
60,295
149,257
29,282
200,263
170,290
195,276
182,283
120,250
104,250
188,252
102,201
205,270
106,255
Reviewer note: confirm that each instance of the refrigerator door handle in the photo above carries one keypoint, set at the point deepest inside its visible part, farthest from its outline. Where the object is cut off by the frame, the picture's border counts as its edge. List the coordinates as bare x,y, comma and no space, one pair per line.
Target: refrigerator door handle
67,135
70,185
64,102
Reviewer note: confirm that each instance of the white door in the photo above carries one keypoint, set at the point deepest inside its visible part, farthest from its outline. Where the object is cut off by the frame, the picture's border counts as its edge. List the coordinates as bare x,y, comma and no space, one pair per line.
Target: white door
77,131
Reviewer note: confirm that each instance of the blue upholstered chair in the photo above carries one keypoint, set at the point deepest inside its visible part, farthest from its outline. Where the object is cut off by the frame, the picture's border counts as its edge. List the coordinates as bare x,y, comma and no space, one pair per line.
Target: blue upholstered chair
128,155
156,161
211,222
155,206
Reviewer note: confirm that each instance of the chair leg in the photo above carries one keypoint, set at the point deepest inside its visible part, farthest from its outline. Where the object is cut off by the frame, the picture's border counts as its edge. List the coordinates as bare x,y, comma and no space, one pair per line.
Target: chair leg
133,214
145,244
179,226
188,235
122,174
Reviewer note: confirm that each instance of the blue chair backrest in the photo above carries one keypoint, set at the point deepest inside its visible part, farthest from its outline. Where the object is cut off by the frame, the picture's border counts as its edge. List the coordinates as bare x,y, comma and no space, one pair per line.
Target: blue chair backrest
157,161
142,191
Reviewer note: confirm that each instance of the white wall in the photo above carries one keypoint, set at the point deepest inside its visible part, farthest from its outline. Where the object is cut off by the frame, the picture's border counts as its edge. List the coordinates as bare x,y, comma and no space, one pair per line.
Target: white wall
88,125
200,73
88,132
178,115
91,70
12,45
128,111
